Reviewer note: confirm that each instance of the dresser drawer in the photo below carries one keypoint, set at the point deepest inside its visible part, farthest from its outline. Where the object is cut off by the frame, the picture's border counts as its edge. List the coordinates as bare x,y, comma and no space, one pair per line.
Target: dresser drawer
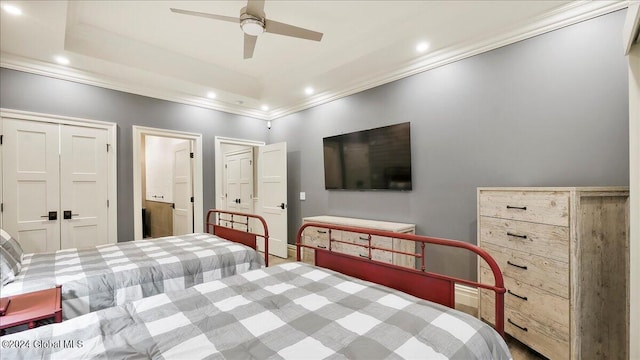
544,307
360,246
533,206
537,271
353,237
383,244
405,246
550,341
540,239
316,237
350,245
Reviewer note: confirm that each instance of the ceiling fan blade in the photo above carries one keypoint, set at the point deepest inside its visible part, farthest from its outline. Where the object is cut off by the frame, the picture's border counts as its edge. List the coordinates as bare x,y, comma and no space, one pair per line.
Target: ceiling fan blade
279,28
249,45
255,8
206,15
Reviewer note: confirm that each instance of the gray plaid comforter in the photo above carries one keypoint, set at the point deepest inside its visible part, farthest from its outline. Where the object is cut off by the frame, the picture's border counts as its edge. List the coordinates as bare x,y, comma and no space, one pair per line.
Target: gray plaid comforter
109,275
290,311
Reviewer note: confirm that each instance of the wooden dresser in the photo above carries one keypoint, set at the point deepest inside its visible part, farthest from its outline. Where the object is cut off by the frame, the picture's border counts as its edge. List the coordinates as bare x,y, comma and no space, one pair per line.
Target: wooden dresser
320,238
564,256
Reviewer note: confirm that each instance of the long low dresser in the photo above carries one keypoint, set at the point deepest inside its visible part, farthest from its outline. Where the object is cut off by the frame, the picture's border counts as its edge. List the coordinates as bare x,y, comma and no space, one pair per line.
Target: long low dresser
349,241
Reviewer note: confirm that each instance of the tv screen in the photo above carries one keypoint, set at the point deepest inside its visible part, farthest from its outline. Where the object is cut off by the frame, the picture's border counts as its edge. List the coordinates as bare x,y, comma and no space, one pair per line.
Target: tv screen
374,159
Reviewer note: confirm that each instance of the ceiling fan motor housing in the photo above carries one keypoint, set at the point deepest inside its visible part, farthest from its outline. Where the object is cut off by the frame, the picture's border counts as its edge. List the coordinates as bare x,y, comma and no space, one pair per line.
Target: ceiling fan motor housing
250,24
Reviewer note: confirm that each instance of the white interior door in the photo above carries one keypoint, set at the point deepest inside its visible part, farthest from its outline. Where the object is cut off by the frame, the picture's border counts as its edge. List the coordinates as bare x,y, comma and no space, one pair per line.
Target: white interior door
232,182
272,174
31,184
239,181
83,187
182,189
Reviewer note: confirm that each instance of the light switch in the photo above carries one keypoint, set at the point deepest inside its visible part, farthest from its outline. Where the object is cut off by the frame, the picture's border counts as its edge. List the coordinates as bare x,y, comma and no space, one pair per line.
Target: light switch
303,195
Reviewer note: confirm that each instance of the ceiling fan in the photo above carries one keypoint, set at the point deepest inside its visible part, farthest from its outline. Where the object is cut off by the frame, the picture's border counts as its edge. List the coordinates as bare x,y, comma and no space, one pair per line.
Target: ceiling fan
253,22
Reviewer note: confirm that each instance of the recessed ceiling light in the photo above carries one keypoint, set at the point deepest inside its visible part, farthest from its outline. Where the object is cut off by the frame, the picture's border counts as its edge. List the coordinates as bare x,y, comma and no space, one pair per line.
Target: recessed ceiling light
11,9
211,95
61,60
422,47
264,108
308,90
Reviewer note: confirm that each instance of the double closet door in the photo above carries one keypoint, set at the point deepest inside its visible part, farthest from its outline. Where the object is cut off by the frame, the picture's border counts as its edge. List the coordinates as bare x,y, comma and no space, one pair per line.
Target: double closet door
55,184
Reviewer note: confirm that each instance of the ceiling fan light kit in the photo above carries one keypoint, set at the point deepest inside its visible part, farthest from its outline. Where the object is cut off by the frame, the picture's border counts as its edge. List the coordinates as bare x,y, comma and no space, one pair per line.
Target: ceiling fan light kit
251,25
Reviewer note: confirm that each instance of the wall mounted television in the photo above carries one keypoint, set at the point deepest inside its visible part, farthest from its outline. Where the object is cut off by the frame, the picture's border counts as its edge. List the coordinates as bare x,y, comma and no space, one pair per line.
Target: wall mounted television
374,159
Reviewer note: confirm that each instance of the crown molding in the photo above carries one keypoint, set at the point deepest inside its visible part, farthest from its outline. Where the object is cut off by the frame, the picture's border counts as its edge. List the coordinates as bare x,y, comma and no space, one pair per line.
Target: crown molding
569,14
14,62
631,29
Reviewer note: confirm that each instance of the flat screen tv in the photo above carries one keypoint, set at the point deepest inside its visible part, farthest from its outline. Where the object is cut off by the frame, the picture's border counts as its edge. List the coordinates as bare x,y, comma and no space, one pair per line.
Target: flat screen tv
374,159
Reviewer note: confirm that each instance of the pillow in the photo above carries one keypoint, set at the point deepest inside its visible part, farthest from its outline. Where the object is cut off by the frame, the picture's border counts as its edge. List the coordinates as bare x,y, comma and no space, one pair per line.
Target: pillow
9,266
11,245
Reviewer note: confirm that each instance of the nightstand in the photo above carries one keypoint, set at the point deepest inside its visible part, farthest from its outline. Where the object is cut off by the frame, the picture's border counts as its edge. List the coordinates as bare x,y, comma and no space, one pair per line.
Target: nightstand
32,307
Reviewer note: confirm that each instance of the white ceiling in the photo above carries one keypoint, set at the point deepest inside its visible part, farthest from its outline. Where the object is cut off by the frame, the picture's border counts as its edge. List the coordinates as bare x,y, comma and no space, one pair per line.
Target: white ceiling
143,48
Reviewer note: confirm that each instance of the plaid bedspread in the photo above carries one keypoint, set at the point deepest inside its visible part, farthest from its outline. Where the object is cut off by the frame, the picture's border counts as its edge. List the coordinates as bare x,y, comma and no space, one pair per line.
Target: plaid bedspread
290,311
109,275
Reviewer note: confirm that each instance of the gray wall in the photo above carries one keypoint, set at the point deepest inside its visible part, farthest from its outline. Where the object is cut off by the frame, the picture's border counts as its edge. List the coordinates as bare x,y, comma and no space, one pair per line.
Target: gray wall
548,111
28,92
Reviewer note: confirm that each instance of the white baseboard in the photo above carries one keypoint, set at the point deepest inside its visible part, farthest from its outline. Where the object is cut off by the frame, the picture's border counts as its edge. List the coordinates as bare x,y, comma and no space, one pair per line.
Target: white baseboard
466,295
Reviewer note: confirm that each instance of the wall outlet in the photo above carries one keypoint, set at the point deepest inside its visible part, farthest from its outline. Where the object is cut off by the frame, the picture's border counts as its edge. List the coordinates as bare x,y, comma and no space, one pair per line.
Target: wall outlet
303,195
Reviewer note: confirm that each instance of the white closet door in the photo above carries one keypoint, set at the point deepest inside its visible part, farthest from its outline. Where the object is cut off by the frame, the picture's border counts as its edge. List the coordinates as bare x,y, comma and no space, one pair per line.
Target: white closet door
83,186
239,181
31,184
182,189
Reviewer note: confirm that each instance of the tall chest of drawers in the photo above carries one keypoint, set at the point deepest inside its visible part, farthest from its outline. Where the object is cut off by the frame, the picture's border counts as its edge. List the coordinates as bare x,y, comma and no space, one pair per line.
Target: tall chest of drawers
564,256
353,243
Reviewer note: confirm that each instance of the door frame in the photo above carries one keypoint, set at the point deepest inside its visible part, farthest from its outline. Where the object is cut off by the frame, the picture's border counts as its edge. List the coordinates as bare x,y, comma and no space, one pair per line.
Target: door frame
112,156
198,207
632,52
219,162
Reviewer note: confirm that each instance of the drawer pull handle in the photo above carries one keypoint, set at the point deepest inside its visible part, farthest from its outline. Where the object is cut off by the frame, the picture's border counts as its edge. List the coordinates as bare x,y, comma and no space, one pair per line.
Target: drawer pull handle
516,235
322,246
517,207
364,238
321,231
518,326
516,265
364,256
518,296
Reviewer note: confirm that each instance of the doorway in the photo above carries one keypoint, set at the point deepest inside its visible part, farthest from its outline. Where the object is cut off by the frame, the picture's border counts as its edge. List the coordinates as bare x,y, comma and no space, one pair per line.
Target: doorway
251,177
167,186
176,197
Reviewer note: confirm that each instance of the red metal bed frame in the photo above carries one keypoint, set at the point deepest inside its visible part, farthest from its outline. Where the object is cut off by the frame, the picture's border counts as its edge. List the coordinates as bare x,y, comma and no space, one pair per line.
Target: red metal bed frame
417,282
243,235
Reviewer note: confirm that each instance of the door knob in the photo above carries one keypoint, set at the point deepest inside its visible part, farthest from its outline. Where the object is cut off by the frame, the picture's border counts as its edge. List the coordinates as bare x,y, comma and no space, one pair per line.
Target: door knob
282,206
53,215
67,215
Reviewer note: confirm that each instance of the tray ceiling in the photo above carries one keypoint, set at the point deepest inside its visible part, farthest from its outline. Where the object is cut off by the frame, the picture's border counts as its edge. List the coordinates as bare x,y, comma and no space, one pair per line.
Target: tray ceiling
141,47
